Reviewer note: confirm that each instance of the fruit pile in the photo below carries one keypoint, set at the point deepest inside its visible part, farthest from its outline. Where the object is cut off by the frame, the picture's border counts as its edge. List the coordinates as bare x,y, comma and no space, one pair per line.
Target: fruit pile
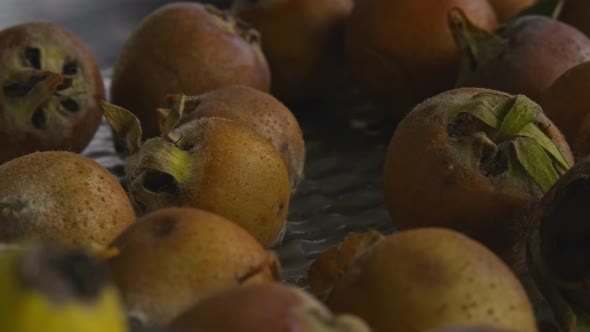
485,176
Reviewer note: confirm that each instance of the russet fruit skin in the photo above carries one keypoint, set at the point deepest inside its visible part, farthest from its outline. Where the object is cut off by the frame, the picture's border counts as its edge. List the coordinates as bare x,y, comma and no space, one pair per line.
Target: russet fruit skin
432,177
575,13
429,278
524,57
402,52
269,307
566,103
303,41
50,86
173,258
64,197
262,112
507,9
471,328
185,48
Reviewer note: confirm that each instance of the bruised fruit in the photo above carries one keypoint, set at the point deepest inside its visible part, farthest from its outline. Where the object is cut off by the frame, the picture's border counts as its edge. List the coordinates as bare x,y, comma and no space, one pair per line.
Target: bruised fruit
214,164
566,103
473,160
402,51
261,111
429,278
51,86
559,249
269,307
329,267
186,48
507,9
64,197
523,57
303,41
172,258
577,14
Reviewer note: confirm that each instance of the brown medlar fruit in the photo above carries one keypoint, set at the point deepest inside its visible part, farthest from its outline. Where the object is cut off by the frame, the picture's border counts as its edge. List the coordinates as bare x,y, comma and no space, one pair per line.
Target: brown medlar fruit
185,48
50,90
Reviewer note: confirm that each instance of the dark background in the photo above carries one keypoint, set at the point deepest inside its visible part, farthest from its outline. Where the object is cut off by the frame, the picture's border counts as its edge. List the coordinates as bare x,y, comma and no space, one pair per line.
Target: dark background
102,24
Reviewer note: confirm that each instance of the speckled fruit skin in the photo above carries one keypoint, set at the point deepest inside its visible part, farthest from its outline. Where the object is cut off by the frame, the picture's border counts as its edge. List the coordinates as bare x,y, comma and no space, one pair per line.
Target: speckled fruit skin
539,50
576,13
185,48
264,113
567,104
172,258
403,52
63,129
303,41
432,278
507,9
430,181
64,197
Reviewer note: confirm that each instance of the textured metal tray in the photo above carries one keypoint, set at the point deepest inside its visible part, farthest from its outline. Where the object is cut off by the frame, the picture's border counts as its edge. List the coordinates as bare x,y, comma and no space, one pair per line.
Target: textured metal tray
341,193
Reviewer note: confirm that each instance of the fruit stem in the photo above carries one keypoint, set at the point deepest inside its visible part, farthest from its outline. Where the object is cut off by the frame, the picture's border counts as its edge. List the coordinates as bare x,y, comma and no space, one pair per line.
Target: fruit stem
477,45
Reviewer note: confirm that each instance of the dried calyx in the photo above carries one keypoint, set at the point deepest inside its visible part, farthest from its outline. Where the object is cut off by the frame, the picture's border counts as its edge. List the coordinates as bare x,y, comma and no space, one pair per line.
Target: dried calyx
37,93
559,249
502,136
234,25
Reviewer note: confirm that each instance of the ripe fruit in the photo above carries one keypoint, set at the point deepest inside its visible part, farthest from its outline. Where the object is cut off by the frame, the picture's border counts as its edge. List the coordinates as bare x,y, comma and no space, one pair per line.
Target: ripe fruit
558,248
432,278
473,160
403,52
507,9
173,258
303,41
46,287
51,87
566,103
214,164
64,197
261,111
186,48
575,13
523,57
269,307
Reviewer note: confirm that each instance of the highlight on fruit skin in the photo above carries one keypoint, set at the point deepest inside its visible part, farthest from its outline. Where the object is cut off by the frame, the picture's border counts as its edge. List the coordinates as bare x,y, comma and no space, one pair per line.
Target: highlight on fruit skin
61,196
260,110
473,160
185,47
215,164
557,251
567,104
265,307
172,258
507,9
46,287
428,278
50,89
525,56
402,52
303,41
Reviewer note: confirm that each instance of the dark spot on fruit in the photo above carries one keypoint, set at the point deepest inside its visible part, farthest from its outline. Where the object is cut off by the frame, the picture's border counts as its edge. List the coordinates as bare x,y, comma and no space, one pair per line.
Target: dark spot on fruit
491,311
70,68
39,118
160,182
165,227
70,105
492,285
33,56
66,84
